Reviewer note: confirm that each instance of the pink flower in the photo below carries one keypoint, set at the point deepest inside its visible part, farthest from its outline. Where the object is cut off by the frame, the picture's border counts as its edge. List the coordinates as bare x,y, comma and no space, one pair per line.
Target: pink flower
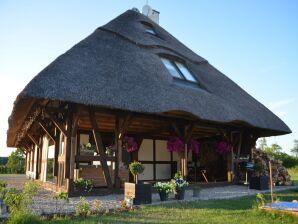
130,144
175,144
223,147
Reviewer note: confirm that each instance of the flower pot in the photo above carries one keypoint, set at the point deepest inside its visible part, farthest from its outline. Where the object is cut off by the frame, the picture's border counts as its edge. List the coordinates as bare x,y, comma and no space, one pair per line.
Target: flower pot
196,193
164,196
259,183
140,193
86,152
180,192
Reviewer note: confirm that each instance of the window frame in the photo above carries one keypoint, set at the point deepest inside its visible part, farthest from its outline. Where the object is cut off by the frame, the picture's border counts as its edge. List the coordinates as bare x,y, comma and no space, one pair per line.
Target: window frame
149,28
173,63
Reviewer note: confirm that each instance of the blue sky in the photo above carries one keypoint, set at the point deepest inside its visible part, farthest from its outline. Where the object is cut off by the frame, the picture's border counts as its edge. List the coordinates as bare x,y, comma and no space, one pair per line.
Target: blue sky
253,42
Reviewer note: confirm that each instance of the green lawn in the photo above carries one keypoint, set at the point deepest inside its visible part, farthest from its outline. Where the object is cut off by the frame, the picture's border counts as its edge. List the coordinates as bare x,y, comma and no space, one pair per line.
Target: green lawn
294,175
238,211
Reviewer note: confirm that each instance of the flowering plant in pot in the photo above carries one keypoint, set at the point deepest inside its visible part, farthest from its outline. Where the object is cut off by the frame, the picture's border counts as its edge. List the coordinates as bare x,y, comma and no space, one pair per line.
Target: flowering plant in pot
163,188
179,185
110,150
87,149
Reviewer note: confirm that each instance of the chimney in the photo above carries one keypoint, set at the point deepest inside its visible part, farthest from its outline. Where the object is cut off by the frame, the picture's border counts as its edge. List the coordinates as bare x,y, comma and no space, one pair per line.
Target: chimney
151,13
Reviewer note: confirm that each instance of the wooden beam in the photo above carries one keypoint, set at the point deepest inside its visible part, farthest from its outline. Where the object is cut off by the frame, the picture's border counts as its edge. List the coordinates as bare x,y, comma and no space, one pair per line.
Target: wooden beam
48,132
82,158
177,130
99,146
189,132
127,120
34,141
56,123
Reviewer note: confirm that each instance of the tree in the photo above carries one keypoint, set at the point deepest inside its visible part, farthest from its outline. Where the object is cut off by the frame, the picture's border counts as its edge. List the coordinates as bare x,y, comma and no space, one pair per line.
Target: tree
273,150
16,162
263,143
294,150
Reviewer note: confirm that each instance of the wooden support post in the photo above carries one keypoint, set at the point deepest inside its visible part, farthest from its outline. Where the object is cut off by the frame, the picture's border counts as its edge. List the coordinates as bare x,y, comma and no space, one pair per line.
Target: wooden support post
73,149
117,149
57,149
99,146
271,182
68,142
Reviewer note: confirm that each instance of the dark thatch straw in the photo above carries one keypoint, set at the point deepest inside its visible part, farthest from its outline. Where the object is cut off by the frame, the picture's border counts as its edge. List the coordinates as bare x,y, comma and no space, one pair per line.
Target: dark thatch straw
118,67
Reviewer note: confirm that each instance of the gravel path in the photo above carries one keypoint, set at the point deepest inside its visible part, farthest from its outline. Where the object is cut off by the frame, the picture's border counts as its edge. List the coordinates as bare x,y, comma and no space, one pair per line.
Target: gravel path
44,203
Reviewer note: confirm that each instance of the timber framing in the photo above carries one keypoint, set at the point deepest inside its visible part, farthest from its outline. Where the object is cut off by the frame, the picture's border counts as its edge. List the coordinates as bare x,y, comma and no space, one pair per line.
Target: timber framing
99,146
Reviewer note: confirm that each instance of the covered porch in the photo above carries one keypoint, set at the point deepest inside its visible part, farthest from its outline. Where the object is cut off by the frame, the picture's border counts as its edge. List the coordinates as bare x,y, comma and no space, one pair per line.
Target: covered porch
66,141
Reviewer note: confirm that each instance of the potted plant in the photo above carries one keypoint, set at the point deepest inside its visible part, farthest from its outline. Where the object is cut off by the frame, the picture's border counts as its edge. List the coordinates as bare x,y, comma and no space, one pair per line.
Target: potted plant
136,168
179,185
163,190
259,180
110,150
87,149
141,193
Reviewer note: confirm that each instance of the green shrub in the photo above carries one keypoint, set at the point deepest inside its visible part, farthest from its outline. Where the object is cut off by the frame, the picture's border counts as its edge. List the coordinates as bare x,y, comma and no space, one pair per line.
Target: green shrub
83,207
20,201
3,184
4,169
63,196
287,160
22,217
14,200
96,205
84,184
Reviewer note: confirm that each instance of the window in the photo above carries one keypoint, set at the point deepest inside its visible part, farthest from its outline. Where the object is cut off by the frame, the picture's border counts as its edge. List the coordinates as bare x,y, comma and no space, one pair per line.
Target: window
178,70
171,68
149,28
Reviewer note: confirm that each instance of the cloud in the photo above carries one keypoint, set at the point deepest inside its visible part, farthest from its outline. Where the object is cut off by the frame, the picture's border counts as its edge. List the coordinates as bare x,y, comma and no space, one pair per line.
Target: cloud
280,107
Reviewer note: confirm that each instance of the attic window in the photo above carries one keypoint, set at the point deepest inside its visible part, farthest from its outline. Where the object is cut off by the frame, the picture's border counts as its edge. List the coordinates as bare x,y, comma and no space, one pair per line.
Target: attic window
149,28
178,70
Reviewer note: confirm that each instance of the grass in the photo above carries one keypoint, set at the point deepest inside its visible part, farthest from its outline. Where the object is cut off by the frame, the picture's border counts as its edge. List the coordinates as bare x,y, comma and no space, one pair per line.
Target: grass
294,174
214,211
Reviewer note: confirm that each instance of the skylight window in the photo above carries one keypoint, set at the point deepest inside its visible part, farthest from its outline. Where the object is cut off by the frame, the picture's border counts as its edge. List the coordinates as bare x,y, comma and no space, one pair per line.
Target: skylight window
171,68
178,70
149,29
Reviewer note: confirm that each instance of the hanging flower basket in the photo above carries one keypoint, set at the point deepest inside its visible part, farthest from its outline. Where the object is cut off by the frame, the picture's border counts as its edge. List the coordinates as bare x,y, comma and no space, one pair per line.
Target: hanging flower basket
175,144
222,147
130,144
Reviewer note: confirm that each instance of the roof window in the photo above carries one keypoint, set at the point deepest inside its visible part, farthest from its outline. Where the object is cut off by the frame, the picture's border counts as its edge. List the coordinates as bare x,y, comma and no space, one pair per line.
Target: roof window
178,70
149,29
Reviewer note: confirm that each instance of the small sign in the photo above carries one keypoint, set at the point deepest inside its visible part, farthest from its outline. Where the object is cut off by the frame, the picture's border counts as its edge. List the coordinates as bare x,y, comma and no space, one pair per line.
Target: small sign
129,190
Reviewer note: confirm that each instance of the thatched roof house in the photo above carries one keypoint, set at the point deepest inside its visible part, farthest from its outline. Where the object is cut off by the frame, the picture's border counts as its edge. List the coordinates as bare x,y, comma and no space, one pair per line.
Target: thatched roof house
134,65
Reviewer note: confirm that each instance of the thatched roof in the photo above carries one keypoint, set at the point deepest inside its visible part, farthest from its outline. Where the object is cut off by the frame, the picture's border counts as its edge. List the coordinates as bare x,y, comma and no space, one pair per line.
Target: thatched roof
118,67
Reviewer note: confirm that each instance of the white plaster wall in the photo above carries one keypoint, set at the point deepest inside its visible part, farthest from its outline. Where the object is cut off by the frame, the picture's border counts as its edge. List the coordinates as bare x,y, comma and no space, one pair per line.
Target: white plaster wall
163,171
162,154
145,152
